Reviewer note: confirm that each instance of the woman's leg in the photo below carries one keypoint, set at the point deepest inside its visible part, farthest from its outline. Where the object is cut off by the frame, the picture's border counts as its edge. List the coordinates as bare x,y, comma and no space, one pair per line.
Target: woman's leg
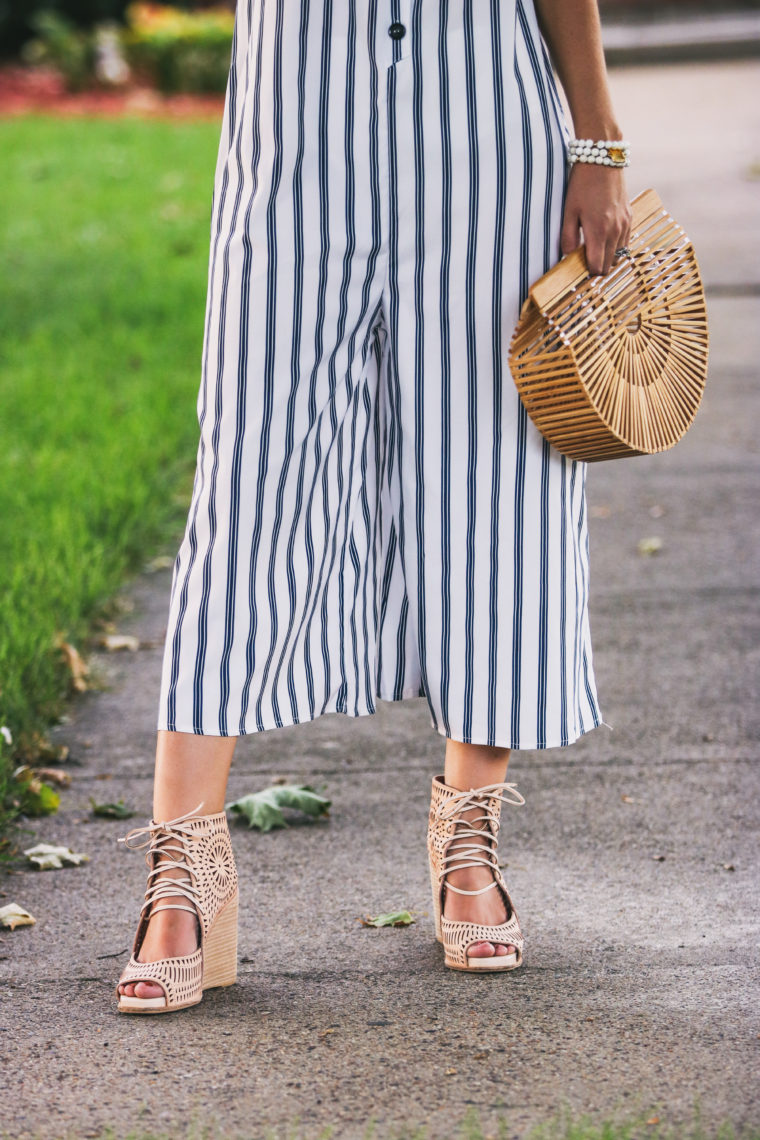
473,766
189,769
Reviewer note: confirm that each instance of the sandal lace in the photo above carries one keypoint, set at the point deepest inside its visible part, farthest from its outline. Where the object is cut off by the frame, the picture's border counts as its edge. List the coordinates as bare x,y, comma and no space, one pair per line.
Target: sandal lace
163,839
461,853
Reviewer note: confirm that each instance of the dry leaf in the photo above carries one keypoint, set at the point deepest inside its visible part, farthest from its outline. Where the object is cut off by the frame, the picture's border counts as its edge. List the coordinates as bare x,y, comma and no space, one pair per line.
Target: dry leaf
76,665
55,776
49,858
14,915
35,748
653,1120
628,799
114,642
649,546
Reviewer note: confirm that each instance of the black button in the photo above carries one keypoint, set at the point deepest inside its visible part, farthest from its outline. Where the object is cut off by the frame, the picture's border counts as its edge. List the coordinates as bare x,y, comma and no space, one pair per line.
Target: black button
396,31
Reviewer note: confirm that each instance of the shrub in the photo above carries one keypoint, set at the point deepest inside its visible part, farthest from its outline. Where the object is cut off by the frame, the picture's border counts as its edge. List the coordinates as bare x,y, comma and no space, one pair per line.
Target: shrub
61,44
17,18
180,51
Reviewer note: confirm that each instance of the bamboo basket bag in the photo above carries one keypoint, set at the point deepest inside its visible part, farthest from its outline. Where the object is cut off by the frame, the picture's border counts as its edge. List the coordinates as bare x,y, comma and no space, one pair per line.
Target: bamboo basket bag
614,366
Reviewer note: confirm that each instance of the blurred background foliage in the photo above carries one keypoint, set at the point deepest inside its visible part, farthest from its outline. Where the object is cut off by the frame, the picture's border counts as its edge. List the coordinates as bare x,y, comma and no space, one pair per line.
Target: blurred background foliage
17,20
161,46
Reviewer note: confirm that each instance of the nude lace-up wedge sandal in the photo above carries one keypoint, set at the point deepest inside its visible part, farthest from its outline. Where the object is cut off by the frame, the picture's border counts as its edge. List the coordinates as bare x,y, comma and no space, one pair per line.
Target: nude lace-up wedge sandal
455,843
200,846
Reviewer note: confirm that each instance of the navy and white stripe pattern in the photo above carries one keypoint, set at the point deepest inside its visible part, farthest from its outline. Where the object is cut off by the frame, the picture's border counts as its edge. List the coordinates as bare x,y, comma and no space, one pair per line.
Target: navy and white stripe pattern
373,514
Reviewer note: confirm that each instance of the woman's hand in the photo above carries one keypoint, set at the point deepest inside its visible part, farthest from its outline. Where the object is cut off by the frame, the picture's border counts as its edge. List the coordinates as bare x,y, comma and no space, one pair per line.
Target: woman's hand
596,203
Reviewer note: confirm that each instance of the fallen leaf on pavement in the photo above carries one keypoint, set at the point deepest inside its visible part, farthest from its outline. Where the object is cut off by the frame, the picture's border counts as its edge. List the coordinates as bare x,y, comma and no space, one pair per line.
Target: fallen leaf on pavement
114,642
33,796
14,915
76,665
650,545
263,809
55,776
398,918
36,748
628,799
50,858
119,810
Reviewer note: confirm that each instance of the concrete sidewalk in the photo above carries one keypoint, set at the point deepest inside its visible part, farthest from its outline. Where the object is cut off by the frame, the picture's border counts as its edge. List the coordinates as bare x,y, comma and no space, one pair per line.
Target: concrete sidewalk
634,863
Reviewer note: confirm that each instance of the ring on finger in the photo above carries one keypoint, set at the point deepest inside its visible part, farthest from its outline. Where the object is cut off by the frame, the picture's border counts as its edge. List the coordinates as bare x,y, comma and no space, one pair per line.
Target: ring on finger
623,251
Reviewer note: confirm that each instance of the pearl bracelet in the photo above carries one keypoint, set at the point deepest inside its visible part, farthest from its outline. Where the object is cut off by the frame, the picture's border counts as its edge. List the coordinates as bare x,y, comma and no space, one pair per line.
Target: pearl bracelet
608,152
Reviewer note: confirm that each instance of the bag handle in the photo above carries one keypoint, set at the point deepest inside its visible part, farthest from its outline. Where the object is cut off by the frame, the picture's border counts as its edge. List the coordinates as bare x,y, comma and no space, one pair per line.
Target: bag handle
571,270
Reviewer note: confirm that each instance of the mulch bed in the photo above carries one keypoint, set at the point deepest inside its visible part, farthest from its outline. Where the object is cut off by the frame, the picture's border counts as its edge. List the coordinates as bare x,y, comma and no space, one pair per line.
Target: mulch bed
25,91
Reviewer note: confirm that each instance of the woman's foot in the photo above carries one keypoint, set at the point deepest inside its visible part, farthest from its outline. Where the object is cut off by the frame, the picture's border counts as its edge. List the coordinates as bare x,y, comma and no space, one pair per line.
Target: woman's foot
486,909
170,934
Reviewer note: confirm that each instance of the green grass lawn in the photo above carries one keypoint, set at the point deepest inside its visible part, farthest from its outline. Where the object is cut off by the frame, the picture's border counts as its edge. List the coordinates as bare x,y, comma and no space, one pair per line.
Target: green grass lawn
104,230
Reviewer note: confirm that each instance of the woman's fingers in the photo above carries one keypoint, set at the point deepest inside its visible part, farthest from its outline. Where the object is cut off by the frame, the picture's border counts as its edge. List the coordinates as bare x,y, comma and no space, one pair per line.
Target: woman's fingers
596,204
596,250
570,237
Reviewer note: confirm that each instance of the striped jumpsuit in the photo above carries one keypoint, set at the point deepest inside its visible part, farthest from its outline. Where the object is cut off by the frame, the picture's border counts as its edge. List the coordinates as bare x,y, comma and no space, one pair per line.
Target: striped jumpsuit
373,515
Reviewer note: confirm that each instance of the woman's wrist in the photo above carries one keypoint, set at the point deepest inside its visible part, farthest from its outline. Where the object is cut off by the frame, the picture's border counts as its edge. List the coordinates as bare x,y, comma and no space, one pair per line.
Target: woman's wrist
596,128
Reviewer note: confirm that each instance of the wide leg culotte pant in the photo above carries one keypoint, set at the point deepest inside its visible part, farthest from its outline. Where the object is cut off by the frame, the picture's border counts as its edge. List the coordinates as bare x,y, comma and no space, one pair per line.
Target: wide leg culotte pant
373,515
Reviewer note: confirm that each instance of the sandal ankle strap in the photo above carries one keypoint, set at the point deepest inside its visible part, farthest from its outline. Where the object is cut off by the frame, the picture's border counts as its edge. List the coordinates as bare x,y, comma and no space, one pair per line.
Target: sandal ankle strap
171,825
461,800
462,854
168,843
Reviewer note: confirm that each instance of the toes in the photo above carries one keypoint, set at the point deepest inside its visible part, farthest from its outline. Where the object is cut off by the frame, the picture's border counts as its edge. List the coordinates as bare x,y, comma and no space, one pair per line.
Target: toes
490,950
148,990
481,950
141,989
